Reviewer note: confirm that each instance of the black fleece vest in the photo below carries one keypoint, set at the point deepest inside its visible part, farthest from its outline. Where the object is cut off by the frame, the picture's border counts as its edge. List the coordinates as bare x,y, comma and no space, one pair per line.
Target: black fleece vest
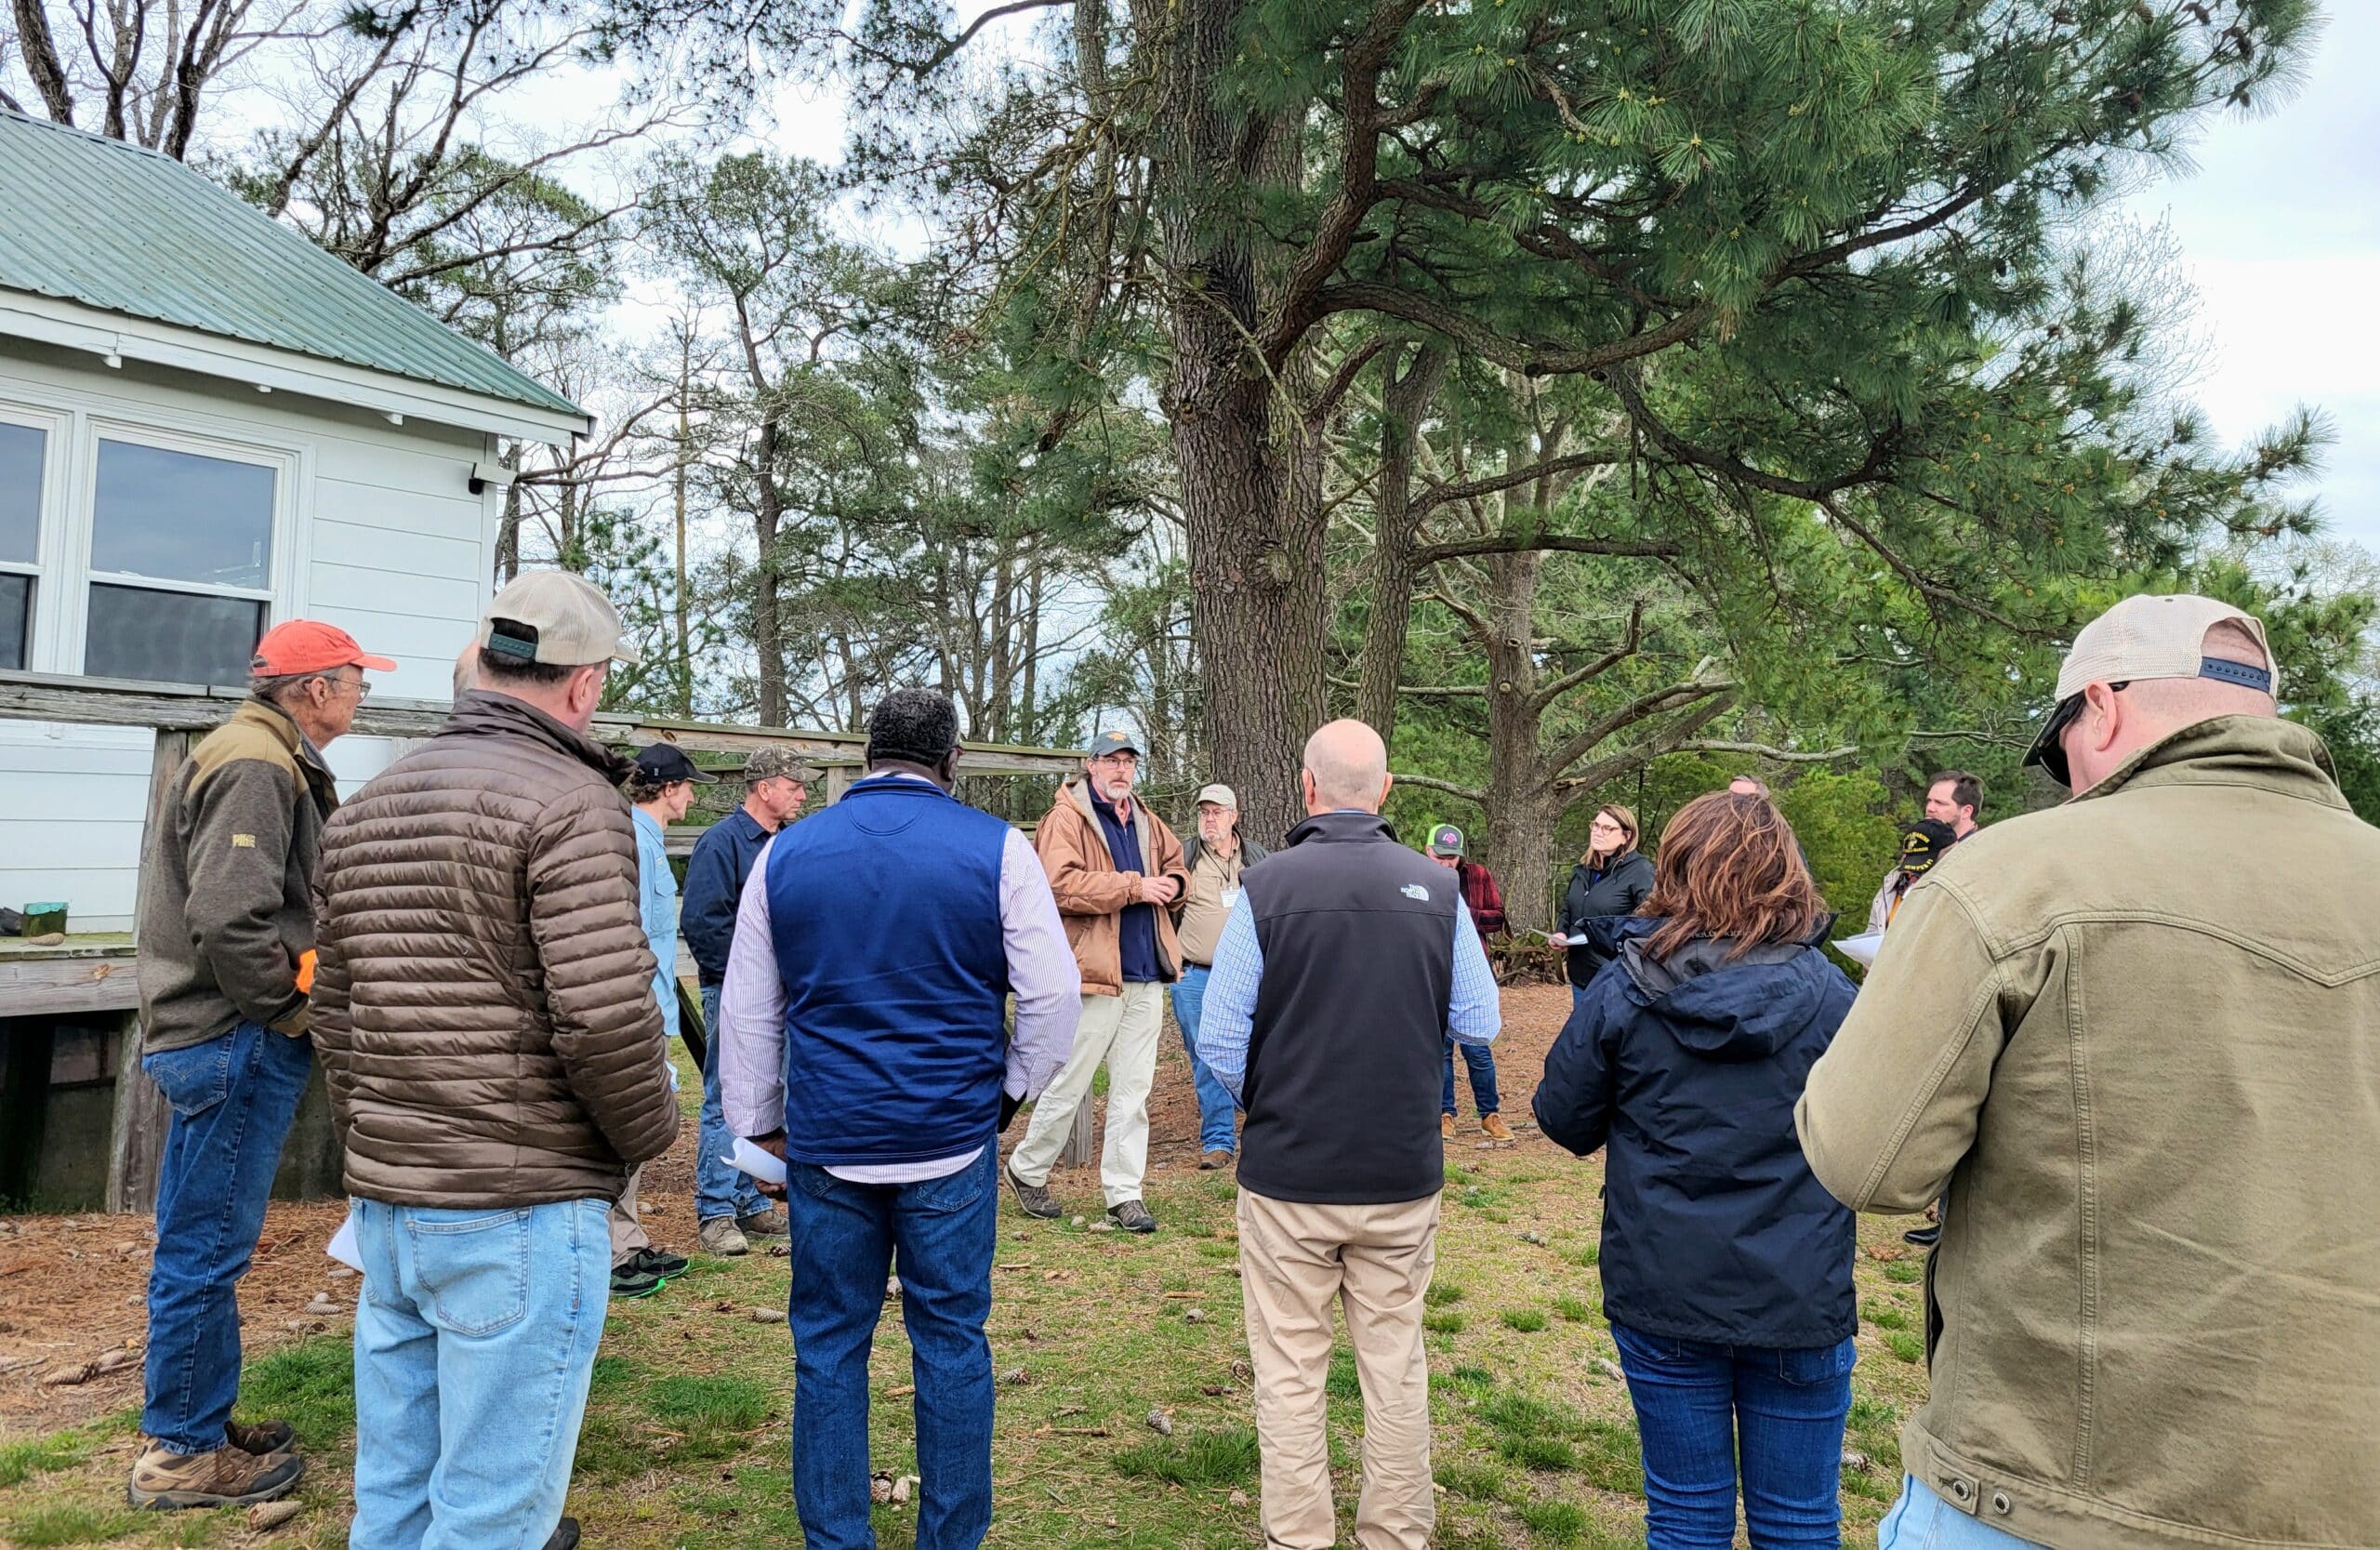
1349,1043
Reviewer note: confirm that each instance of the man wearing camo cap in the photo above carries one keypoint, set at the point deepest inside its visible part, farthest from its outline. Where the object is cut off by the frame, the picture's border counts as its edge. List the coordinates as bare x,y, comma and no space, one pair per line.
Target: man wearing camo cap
2137,1038
729,1206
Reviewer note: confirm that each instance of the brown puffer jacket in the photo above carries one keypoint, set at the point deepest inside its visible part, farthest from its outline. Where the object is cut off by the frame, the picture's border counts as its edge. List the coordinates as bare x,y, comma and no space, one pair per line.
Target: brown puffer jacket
1092,892
483,1001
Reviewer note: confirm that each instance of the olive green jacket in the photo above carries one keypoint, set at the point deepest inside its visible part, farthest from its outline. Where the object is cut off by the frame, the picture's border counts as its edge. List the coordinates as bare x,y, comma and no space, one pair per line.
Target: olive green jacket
2137,1041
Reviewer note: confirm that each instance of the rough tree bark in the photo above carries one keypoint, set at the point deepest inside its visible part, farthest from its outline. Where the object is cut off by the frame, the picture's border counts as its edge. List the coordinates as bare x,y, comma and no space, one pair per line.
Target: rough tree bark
1405,399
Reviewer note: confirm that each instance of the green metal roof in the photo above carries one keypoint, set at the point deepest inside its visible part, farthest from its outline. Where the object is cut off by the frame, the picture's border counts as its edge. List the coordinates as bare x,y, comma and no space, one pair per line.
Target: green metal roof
125,229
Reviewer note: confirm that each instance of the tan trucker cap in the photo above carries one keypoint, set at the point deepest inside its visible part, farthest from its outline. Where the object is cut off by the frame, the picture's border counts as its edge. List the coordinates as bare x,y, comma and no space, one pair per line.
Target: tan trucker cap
1219,794
555,618
2153,636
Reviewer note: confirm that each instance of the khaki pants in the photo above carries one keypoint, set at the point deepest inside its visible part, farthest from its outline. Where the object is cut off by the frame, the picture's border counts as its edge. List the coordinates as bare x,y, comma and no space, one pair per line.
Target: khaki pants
1122,1031
628,1232
1295,1259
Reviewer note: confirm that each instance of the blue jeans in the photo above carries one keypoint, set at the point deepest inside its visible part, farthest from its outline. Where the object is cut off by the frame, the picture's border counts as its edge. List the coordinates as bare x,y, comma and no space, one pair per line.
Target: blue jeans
232,1100
1698,1404
720,1187
844,1236
1922,1520
474,1343
1481,1062
1216,1113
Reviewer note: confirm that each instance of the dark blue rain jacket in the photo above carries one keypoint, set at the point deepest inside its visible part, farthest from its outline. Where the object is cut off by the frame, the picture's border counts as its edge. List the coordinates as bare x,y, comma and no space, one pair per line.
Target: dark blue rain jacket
1714,1226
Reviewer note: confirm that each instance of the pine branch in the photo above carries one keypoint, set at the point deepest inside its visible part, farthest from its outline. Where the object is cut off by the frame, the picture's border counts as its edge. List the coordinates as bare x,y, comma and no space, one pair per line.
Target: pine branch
1526,543
1429,783
1775,755
1630,639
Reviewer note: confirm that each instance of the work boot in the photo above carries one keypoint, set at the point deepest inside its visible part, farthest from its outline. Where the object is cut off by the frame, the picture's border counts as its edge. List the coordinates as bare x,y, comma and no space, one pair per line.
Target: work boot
767,1221
1031,1198
1495,1127
265,1436
1446,1126
1922,1238
565,1535
1216,1158
630,1283
229,1476
653,1262
1132,1216
721,1235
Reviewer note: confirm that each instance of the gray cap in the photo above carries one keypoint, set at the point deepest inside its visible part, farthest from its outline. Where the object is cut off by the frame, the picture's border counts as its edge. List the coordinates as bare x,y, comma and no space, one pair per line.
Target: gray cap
1114,740
1446,840
554,618
780,762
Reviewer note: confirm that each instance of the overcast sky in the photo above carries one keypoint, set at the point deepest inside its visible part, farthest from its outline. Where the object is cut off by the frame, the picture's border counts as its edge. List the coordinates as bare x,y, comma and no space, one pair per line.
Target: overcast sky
2279,228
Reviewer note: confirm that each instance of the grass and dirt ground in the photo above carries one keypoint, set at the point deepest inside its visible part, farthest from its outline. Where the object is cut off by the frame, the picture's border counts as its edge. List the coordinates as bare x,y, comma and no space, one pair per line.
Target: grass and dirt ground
685,1442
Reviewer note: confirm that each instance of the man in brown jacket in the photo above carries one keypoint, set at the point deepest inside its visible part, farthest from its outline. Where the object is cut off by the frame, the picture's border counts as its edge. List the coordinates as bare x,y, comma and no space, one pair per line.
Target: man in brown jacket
2138,1040
227,937
1115,867
485,1013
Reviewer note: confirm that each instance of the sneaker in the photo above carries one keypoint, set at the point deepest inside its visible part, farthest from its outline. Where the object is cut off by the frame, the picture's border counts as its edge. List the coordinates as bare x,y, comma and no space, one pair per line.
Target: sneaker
1217,1157
767,1221
1446,1126
1031,1198
653,1262
565,1535
1132,1216
1495,1127
629,1282
1924,1238
229,1476
721,1235
265,1436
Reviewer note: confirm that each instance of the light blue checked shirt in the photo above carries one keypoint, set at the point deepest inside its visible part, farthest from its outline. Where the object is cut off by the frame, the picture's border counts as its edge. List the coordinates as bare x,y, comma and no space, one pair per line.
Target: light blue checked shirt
1474,1013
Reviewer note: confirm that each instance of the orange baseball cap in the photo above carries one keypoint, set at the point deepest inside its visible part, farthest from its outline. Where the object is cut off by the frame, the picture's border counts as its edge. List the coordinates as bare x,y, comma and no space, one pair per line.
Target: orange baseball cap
311,647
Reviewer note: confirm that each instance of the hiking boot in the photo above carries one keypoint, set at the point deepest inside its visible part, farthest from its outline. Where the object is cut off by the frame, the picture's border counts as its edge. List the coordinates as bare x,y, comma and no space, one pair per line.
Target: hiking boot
1209,1161
767,1221
1923,1238
721,1235
1446,1126
653,1262
1495,1127
229,1476
1132,1216
265,1436
1031,1198
629,1283
565,1535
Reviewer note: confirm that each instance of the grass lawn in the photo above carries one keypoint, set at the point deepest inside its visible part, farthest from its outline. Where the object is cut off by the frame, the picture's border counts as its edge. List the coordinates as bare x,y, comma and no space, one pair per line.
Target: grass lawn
685,1442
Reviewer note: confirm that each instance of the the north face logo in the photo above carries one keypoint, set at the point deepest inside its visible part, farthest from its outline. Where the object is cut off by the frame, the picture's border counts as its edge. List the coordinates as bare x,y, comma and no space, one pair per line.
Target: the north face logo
1415,891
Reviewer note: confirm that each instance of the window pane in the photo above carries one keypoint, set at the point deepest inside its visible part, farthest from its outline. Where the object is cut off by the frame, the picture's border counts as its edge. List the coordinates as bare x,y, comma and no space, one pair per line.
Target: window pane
16,615
171,637
21,447
182,517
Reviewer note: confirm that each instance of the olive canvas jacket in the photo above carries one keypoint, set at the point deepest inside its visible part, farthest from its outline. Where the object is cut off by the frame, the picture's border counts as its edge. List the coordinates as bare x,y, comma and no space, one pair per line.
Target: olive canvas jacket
2137,1041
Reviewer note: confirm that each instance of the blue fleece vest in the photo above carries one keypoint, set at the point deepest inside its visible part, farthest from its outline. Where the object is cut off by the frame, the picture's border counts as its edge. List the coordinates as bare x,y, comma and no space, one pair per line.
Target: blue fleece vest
885,912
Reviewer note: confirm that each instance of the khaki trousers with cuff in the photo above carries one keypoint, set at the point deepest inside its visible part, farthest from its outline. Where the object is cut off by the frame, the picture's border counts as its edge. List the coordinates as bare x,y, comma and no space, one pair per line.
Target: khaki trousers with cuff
1121,1030
1375,1262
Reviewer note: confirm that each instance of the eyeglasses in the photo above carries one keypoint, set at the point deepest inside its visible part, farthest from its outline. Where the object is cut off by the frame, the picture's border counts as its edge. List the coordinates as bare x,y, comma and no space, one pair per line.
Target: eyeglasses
2049,748
1119,761
363,690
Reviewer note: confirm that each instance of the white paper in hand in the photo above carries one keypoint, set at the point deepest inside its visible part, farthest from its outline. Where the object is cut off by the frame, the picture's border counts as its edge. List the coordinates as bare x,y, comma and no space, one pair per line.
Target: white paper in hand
759,1163
342,1245
1862,949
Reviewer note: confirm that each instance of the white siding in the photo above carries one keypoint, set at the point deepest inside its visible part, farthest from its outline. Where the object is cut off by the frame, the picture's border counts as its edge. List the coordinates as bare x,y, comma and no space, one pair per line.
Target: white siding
382,538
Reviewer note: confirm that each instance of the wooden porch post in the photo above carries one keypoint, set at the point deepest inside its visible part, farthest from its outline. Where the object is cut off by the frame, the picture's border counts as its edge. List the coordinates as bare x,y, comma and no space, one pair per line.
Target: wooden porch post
137,1133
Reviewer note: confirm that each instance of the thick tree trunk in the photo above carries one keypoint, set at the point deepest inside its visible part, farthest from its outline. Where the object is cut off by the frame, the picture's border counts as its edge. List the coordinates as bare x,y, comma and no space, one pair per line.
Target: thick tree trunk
768,631
1521,805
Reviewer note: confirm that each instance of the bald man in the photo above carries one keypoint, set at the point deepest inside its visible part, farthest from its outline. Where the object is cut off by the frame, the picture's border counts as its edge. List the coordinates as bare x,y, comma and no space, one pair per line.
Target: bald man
2137,1039
1366,964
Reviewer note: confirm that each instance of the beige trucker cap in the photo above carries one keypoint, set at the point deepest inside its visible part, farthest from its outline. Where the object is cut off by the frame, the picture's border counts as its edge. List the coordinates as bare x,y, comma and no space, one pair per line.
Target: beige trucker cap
1219,794
2152,636
555,618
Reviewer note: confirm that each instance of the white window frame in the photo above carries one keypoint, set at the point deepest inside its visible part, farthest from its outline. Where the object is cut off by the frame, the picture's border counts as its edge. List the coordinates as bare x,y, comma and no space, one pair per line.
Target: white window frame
57,451
74,571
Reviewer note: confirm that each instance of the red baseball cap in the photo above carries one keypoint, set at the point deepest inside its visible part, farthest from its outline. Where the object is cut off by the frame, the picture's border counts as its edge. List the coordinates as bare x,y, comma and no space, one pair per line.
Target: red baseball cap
311,647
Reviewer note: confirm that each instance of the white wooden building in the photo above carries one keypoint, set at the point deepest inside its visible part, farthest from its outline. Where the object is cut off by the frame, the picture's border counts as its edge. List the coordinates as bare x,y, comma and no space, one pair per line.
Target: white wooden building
208,425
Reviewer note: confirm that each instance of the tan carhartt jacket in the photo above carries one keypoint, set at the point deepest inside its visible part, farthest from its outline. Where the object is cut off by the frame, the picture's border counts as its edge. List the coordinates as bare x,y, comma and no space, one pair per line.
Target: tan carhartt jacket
1092,892
2137,1038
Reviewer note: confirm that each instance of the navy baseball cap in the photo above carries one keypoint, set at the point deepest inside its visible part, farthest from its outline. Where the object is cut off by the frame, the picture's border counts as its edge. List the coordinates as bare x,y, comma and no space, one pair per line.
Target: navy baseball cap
664,762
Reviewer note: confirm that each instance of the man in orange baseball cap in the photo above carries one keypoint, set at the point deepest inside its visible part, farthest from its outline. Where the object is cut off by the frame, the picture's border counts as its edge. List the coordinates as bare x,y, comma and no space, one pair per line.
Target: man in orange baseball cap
227,948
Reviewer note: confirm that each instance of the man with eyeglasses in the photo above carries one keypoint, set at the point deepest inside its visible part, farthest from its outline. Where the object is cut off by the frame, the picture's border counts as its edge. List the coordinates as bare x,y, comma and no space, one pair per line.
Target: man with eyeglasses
226,957
1114,866
2137,1040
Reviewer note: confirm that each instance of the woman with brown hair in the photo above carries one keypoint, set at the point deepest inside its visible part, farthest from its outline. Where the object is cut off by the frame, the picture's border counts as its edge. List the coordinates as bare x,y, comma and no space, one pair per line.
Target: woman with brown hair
1613,878
1726,1266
